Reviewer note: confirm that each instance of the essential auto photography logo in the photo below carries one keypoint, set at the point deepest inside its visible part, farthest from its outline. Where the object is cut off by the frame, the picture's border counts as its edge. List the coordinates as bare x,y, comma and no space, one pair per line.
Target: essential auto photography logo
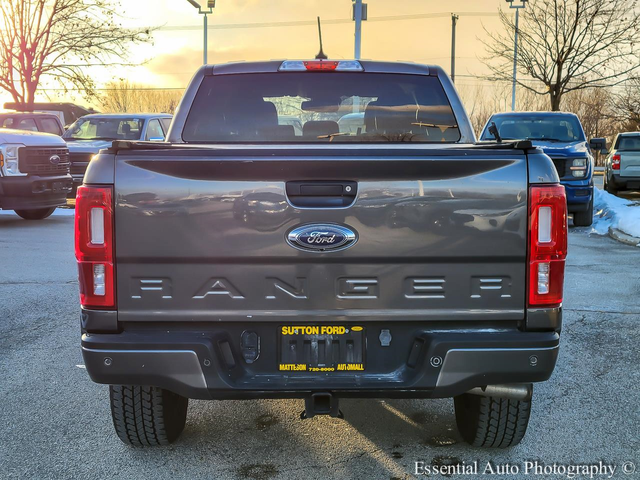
534,468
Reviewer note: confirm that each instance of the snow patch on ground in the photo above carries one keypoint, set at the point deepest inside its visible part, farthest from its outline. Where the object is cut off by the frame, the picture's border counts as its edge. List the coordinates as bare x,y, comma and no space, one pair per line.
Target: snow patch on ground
616,212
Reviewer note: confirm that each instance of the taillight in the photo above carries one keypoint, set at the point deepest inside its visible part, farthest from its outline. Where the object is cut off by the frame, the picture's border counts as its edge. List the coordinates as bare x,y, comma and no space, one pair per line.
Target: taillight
547,244
94,247
615,162
323,66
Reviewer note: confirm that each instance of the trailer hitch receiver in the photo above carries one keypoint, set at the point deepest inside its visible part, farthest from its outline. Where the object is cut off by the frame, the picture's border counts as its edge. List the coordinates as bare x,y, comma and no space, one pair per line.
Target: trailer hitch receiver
321,403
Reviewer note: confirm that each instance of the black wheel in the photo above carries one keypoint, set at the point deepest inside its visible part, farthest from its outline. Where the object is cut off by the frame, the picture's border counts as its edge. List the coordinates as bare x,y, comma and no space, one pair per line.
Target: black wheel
584,219
610,188
37,214
147,416
491,422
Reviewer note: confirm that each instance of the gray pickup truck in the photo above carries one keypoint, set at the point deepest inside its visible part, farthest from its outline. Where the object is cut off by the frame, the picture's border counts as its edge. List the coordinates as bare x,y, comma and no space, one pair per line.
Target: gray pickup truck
245,259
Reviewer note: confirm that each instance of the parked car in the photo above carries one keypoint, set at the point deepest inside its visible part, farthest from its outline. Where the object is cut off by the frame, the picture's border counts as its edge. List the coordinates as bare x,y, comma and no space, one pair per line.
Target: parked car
561,136
32,122
67,113
91,133
34,173
248,268
622,166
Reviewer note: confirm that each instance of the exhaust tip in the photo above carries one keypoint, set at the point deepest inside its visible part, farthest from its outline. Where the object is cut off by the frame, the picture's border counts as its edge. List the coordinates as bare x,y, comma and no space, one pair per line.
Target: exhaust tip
521,392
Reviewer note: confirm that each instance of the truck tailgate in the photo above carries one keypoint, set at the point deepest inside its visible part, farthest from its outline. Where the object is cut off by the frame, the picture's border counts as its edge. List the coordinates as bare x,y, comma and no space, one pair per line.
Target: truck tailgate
201,235
629,164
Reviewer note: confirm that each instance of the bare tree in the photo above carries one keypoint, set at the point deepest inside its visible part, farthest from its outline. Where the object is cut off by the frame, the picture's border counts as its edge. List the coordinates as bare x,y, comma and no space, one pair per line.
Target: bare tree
57,40
483,100
568,45
595,108
626,107
127,97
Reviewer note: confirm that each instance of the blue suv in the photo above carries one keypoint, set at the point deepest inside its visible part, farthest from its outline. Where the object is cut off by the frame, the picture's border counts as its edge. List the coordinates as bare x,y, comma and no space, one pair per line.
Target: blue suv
561,137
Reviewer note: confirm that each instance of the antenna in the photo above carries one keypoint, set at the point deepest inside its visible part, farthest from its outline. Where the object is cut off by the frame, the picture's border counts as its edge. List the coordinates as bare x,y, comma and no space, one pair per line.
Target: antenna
320,55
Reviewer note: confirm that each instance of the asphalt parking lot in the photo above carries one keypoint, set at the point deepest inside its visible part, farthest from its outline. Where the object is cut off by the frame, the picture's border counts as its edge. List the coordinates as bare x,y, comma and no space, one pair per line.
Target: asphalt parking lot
55,423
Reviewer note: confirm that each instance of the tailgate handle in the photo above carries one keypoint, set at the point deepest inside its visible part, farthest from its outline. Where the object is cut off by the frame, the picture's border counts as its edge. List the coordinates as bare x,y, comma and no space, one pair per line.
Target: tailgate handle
322,194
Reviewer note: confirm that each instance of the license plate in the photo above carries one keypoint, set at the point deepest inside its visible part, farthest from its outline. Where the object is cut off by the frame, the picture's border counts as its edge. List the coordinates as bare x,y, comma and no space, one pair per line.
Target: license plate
322,348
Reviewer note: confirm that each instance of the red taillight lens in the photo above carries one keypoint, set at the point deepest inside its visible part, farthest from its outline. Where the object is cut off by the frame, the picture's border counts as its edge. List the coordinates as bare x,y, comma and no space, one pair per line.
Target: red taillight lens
615,162
320,65
547,244
94,247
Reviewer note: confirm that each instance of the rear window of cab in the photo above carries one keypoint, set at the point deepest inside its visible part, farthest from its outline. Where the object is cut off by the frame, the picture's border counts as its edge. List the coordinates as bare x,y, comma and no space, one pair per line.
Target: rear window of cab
304,107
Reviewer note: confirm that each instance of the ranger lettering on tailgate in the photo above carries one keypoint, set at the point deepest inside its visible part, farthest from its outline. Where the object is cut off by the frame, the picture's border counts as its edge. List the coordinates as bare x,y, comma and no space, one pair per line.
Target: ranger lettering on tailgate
414,288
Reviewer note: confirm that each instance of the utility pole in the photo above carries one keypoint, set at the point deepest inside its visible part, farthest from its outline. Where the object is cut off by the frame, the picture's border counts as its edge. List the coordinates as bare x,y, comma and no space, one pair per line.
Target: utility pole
454,21
210,6
359,14
515,49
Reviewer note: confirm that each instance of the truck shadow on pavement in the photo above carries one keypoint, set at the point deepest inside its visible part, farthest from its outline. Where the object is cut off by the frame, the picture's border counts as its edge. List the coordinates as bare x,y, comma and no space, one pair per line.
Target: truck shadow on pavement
386,435
13,221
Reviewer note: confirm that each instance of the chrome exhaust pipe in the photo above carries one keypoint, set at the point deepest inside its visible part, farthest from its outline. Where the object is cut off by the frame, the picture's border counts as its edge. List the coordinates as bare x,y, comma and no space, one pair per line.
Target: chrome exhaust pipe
513,392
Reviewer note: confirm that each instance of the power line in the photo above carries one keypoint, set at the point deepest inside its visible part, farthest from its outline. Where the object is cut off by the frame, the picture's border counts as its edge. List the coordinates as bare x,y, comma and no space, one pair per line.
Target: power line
112,89
333,21
480,80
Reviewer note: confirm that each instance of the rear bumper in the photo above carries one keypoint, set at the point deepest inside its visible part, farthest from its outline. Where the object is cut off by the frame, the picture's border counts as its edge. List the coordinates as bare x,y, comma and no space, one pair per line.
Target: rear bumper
623,183
34,191
419,363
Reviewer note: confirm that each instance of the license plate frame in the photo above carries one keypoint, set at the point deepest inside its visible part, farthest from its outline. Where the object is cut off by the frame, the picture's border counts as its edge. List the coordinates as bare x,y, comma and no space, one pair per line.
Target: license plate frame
311,348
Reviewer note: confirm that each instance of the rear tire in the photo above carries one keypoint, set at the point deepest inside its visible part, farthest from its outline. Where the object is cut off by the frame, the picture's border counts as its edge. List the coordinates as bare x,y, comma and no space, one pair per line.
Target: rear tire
37,214
584,219
609,188
491,422
147,416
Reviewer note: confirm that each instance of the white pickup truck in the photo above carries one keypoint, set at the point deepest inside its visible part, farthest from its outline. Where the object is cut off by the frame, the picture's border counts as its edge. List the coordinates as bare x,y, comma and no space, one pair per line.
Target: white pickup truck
34,173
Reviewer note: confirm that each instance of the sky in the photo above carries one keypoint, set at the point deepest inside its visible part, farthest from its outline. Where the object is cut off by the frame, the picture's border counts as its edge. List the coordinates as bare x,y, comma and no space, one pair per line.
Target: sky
176,53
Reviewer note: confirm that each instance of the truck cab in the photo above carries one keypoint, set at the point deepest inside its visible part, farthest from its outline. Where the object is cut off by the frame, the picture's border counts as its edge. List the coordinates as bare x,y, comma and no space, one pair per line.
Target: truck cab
34,173
560,135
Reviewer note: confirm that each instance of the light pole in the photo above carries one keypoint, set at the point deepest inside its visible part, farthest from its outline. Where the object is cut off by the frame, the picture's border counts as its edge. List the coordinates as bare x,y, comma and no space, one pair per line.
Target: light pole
517,6
454,21
210,6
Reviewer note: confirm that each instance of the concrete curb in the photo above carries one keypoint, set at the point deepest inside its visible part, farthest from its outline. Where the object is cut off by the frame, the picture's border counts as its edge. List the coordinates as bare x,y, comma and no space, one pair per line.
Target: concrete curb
623,237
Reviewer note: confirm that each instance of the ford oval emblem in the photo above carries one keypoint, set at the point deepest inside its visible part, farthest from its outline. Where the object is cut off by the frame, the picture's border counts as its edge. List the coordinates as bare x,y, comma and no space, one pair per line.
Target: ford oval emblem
321,237
54,159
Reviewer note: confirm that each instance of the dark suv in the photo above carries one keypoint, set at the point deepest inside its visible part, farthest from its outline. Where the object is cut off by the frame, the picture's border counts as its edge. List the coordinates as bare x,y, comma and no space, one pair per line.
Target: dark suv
32,122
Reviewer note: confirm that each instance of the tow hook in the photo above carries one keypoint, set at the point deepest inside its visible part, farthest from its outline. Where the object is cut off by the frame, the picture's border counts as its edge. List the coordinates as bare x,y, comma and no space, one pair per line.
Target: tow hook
321,403
513,391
